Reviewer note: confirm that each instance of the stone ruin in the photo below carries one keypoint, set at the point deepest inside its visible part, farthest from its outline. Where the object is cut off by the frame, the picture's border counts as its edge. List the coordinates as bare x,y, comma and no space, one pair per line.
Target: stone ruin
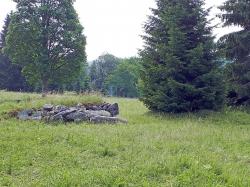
103,113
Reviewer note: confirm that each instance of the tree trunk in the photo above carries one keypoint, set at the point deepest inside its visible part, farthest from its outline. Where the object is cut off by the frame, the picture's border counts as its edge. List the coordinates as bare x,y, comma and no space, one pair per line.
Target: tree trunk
44,87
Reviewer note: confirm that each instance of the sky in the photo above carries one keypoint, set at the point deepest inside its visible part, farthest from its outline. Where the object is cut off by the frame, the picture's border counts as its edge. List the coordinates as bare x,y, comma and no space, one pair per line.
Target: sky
115,26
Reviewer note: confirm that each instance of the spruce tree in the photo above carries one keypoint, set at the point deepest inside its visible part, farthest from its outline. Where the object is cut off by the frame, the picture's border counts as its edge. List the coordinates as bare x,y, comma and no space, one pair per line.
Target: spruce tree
46,38
180,72
237,48
10,74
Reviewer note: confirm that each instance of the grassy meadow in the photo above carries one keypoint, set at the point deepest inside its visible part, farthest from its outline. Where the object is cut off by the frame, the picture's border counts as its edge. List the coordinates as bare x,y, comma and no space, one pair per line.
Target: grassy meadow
205,149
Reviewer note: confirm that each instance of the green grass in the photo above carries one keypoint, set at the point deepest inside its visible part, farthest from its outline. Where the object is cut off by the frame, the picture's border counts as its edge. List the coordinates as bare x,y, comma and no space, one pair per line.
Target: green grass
10,101
206,149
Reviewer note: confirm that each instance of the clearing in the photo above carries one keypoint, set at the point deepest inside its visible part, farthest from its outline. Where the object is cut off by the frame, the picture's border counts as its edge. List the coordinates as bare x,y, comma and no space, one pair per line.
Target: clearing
205,149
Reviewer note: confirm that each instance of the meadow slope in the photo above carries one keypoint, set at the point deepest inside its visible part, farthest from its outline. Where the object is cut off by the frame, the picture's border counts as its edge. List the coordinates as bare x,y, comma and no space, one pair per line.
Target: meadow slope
205,149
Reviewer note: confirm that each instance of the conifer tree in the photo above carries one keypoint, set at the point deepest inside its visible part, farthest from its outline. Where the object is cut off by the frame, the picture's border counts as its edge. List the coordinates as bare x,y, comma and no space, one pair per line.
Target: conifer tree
10,74
237,48
45,37
180,72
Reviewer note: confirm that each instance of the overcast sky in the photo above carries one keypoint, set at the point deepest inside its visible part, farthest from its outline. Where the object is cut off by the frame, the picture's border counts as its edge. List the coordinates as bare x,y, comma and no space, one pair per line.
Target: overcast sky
114,26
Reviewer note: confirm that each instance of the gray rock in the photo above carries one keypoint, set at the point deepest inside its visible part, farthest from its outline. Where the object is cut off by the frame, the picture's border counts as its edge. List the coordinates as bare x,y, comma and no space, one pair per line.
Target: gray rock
48,107
93,113
80,107
60,108
61,116
36,116
108,120
93,107
56,117
103,113
96,108
113,109
51,113
105,106
77,116
29,115
67,112
25,114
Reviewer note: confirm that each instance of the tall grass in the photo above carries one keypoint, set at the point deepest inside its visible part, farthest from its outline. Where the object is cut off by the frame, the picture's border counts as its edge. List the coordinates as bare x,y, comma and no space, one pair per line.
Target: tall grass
211,149
17,101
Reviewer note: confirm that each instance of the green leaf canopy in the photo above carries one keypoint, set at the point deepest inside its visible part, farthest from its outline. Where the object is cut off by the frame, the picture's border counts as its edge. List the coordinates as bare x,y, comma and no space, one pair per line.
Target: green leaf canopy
46,38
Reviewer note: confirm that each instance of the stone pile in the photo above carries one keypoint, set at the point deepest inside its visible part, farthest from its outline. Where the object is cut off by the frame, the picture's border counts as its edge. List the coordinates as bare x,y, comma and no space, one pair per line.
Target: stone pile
104,113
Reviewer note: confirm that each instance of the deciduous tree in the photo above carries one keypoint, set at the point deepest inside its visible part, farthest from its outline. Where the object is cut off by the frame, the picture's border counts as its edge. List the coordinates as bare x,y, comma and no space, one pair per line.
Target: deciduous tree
100,69
46,38
123,81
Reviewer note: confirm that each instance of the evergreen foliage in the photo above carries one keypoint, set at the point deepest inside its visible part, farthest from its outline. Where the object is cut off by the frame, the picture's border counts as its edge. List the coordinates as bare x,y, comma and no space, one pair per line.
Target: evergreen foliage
45,37
236,47
180,72
10,74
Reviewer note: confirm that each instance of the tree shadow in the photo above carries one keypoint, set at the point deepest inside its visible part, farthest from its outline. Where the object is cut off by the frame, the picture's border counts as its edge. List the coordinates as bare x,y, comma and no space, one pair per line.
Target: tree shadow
228,115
